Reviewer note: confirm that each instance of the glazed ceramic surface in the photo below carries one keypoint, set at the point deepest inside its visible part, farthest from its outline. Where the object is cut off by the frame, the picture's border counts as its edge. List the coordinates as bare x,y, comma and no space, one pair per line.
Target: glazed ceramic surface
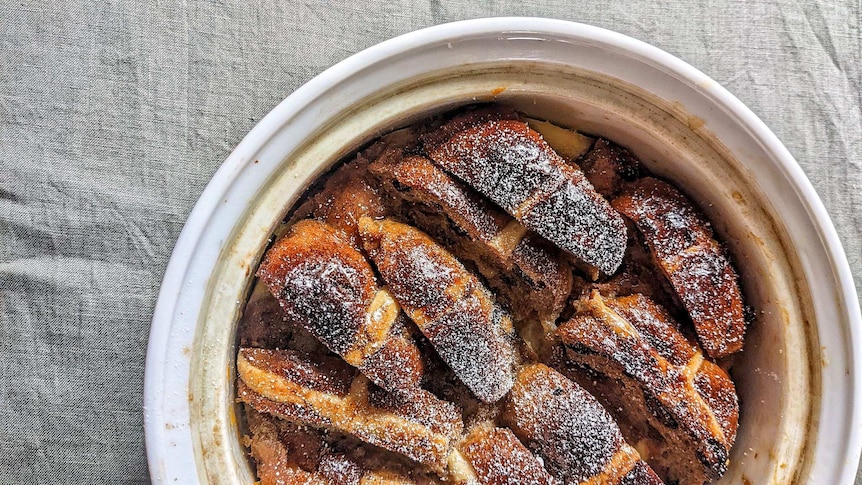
798,378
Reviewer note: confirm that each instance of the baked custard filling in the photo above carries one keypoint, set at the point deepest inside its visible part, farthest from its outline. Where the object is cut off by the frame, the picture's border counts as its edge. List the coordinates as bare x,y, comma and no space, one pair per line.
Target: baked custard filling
487,298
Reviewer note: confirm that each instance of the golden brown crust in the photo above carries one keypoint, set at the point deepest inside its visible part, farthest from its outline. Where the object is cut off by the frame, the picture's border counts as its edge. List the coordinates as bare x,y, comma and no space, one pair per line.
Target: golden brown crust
634,341
511,164
324,284
287,454
498,458
328,375
450,306
561,422
413,423
545,279
682,243
655,326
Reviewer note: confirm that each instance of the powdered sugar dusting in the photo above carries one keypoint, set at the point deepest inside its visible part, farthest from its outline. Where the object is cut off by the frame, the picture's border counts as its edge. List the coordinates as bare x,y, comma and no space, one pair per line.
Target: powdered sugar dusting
569,218
451,307
500,459
715,387
471,339
679,411
491,164
514,167
716,305
562,423
322,292
694,263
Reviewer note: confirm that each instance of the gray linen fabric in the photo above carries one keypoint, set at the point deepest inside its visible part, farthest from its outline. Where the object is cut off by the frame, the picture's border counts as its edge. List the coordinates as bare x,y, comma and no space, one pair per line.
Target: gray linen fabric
114,115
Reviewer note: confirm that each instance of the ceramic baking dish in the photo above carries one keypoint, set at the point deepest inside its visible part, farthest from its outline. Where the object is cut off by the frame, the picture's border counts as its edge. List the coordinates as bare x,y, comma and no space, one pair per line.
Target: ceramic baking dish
798,378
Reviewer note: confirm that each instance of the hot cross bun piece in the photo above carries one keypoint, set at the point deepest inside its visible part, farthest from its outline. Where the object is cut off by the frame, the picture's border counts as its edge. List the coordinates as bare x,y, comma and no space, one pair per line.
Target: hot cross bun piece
512,165
667,382
495,456
440,132
542,280
682,243
324,284
289,454
327,393
451,307
577,439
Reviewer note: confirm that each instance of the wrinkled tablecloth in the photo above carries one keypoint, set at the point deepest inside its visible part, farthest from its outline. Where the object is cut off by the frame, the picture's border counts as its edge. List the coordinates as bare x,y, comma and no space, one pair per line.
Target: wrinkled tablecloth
115,114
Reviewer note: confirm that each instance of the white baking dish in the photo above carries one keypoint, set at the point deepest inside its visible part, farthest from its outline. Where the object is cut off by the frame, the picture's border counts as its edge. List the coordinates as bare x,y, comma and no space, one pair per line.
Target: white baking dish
799,378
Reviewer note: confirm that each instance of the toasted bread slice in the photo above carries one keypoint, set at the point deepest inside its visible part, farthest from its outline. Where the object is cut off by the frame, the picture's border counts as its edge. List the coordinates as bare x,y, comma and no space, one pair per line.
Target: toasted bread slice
497,457
513,166
528,271
328,394
683,246
289,454
577,439
451,307
324,284
690,401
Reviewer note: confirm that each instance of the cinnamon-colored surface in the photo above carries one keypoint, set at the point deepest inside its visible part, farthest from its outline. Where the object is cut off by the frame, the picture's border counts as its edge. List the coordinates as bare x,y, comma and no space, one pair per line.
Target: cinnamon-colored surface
512,165
324,284
407,320
682,243
633,340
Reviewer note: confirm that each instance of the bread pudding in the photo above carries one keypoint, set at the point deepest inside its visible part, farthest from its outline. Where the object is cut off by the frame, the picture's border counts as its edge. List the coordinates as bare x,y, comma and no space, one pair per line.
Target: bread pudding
487,298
